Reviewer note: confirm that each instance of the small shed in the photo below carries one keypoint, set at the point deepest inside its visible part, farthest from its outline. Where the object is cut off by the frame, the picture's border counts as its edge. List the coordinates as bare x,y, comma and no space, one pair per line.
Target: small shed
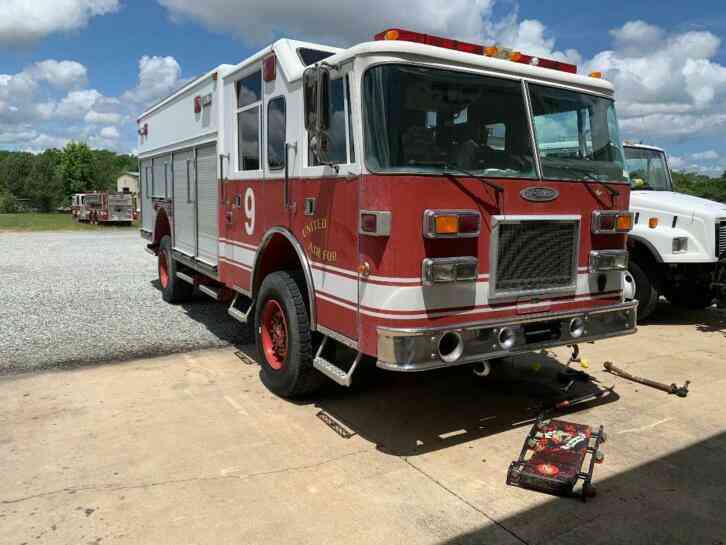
128,182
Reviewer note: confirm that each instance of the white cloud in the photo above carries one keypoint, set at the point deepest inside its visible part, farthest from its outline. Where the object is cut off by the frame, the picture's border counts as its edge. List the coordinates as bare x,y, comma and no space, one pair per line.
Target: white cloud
63,74
46,141
677,162
110,133
102,118
668,85
77,104
333,21
158,76
710,155
25,21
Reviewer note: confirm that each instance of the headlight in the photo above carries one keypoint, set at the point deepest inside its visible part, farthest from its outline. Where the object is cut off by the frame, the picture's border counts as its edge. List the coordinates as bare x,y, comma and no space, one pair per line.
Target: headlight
608,260
451,269
680,245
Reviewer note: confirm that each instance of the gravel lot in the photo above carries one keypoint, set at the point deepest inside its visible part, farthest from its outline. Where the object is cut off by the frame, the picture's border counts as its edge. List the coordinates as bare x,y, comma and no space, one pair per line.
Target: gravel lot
82,298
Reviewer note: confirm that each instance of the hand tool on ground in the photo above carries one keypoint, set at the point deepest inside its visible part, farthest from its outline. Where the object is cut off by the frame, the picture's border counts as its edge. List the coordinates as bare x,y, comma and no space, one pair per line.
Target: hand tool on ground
680,391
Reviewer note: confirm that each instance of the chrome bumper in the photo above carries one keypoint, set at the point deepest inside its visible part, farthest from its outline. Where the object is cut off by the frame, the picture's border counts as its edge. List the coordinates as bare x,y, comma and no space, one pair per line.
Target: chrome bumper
417,349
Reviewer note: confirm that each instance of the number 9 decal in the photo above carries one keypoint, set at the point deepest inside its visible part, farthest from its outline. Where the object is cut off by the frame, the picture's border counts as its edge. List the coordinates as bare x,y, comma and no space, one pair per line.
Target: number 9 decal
249,211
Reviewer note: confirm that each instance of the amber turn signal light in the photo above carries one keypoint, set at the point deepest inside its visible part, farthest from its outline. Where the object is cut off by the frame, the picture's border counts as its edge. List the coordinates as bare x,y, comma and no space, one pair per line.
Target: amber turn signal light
446,225
624,222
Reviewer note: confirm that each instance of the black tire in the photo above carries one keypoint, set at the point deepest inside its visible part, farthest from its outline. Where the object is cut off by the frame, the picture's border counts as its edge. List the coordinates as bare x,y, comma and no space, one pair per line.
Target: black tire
646,291
295,375
173,290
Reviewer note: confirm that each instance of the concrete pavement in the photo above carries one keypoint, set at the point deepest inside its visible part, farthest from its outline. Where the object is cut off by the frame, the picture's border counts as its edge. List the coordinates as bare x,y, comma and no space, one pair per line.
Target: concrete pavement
192,449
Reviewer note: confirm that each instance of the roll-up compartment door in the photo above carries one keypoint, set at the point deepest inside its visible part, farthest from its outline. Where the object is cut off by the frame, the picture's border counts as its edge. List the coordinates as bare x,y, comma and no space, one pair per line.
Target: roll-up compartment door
185,232
207,205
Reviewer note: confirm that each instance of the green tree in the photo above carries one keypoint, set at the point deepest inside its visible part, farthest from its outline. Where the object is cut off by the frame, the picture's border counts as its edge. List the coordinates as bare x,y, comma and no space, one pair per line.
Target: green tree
44,186
14,173
77,169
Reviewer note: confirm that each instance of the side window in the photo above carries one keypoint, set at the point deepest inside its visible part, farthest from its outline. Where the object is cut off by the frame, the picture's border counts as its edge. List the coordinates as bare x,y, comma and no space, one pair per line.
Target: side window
337,152
276,133
249,97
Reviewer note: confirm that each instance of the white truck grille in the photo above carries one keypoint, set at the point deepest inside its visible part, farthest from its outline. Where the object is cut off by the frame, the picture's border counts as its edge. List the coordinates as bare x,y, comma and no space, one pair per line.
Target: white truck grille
532,256
721,239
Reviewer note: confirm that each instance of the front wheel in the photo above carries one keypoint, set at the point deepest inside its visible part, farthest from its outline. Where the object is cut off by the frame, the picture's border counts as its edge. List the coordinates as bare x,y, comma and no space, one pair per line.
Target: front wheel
639,285
284,339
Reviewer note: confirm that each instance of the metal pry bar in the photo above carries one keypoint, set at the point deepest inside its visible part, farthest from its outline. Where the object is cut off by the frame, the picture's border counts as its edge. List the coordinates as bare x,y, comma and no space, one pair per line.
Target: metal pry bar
673,389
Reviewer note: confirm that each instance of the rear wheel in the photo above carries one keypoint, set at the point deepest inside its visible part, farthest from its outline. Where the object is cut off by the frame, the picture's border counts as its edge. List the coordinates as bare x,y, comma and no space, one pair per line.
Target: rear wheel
284,338
646,291
173,289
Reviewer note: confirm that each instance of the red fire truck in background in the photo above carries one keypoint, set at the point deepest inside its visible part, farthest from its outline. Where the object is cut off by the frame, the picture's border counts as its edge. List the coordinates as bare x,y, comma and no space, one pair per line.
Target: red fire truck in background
104,207
413,202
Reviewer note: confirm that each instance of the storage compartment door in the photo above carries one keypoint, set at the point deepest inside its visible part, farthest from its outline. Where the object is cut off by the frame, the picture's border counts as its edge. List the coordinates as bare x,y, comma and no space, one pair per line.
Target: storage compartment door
207,205
147,208
185,229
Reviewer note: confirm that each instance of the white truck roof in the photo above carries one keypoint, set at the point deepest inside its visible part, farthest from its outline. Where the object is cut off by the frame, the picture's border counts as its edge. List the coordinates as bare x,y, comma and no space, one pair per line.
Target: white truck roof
487,64
642,146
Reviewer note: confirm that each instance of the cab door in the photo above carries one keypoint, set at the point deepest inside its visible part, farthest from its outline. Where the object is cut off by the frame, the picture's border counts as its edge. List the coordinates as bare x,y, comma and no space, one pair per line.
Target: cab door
326,216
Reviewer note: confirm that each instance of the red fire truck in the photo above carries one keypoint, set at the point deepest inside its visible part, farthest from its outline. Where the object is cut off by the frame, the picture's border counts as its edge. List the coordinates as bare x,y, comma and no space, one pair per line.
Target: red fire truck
104,207
413,202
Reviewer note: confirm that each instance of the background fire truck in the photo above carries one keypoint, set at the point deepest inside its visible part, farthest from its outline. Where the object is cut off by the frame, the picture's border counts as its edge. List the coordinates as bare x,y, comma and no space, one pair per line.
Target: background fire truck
397,203
104,207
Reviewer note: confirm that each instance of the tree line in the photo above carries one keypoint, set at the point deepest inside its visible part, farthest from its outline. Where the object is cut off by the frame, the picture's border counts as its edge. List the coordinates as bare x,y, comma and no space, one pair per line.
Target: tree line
46,181
701,186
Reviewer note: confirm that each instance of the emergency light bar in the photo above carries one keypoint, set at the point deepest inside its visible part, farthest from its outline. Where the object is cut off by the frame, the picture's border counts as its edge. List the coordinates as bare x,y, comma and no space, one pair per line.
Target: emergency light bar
397,34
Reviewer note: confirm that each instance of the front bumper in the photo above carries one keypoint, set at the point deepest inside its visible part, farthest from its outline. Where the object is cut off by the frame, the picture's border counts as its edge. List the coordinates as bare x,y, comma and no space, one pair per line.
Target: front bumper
417,349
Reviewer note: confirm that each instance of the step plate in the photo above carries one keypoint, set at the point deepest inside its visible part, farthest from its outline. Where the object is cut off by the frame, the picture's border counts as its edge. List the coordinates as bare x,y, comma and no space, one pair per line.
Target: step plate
334,373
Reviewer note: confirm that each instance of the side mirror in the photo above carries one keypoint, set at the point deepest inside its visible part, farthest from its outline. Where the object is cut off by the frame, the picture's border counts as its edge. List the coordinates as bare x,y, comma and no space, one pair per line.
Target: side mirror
316,88
310,93
323,99
316,85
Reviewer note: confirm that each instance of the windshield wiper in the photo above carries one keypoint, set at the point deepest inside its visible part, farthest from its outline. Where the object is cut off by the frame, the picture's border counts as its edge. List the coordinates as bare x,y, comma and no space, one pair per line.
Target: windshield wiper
496,187
589,177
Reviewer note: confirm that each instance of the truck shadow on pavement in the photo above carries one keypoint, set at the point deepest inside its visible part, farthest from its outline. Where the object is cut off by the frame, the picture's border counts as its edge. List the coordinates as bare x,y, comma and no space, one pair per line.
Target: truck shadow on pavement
413,414
677,498
706,320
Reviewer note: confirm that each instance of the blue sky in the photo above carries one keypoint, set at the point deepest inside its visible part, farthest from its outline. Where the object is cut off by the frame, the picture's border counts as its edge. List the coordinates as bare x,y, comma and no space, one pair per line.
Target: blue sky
113,57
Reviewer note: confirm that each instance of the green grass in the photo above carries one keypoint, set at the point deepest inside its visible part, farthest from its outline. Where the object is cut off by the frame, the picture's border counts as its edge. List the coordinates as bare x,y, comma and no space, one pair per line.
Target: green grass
50,222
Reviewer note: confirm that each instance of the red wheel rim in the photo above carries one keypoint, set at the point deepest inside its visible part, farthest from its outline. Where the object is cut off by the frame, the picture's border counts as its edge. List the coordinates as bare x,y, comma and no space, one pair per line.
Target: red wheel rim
163,270
273,334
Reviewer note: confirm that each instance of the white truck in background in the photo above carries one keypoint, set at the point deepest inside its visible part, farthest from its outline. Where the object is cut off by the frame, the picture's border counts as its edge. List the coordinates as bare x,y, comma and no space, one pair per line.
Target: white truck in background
678,243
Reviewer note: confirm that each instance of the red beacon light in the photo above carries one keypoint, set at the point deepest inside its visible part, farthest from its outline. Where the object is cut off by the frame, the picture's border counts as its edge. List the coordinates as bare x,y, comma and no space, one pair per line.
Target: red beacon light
397,34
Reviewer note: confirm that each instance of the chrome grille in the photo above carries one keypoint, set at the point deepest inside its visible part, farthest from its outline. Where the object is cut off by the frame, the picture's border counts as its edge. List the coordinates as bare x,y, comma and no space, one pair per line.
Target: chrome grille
531,256
721,239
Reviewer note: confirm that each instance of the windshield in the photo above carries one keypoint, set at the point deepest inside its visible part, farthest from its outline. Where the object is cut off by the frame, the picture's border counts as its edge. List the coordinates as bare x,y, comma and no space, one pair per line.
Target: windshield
648,169
577,135
430,121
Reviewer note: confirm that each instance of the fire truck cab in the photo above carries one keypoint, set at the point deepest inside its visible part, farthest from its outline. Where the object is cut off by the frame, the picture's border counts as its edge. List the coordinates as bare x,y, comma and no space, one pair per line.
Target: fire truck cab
412,202
76,201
